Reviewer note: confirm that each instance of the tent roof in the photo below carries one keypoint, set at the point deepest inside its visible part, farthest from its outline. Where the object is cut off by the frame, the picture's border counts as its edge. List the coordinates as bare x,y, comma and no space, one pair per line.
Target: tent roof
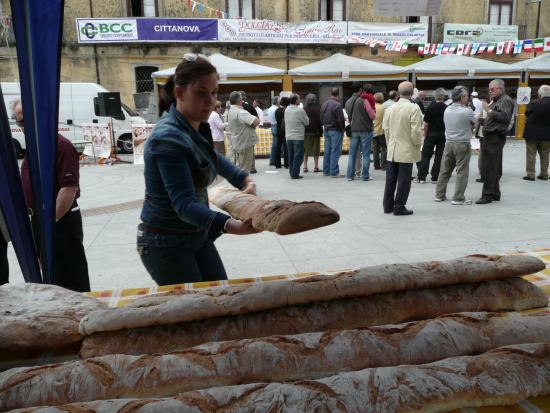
229,67
537,64
451,63
338,63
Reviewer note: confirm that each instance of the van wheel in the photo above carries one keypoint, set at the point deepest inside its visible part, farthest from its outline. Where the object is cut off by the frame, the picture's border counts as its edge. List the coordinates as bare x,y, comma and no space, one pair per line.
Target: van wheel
125,144
17,149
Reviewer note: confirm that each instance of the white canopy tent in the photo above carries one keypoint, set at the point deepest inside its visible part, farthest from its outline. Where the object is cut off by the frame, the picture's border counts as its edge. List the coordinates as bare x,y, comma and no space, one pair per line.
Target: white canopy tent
343,68
537,67
451,66
232,71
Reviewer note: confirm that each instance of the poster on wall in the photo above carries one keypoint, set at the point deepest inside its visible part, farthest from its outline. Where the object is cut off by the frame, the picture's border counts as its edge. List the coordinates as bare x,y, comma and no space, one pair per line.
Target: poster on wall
478,33
146,30
269,31
410,32
99,136
140,133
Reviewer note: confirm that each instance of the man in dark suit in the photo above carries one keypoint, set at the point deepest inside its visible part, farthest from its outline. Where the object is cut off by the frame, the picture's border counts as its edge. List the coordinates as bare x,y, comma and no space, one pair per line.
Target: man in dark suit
537,134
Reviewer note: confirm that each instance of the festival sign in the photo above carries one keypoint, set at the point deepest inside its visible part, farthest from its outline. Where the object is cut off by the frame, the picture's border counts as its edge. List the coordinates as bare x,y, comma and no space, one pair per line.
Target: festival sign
269,31
146,30
479,33
140,134
99,135
412,33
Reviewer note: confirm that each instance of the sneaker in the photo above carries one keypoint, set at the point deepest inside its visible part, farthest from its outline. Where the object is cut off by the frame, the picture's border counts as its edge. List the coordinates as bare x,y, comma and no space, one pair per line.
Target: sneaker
419,181
348,179
439,199
465,202
367,179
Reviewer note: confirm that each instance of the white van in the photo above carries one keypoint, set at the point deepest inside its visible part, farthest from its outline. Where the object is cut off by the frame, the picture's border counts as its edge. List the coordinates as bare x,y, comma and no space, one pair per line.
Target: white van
76,106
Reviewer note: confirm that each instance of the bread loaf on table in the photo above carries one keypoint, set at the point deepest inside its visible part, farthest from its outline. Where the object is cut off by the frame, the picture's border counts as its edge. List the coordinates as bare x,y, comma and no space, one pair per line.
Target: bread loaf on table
40,316
265,296
275,358
499,377
283,217
378,309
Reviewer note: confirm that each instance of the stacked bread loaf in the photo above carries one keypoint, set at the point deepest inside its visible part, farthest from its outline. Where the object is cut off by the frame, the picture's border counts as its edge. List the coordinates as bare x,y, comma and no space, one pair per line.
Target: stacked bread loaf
323,343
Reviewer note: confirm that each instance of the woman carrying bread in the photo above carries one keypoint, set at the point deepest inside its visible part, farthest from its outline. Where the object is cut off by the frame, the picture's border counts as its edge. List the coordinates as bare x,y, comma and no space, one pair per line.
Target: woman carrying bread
176,237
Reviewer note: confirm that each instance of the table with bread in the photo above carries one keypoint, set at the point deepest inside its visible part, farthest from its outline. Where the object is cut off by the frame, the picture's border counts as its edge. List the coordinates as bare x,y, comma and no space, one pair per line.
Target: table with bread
432,336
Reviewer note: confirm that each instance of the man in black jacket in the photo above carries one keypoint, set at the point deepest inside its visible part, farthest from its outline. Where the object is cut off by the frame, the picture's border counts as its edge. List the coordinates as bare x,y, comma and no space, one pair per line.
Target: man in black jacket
537,134
495,129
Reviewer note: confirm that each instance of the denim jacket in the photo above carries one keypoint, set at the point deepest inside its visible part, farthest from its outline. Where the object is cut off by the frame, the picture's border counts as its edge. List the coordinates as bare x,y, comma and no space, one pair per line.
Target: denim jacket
180,163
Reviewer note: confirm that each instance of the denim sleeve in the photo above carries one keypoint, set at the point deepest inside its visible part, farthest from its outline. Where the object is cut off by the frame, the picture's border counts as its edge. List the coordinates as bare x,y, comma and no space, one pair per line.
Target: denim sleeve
178,182
233,174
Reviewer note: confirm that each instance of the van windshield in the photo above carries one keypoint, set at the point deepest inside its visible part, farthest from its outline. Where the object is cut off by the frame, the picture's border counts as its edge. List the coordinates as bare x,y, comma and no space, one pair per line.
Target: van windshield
131,112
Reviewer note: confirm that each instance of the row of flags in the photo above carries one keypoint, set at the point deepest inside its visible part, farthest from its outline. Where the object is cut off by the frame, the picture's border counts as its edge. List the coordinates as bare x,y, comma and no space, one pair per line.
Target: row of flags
508,47
205,10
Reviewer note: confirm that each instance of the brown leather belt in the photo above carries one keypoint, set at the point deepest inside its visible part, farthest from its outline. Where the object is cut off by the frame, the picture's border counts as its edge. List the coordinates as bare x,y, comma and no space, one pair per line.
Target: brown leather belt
165,231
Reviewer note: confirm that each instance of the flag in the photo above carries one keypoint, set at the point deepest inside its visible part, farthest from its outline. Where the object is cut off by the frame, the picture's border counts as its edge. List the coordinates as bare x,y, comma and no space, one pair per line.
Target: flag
500,47
475,48
482,48
518,46
433,48
200,8
445,48
421,49
404,47
509,47
460,49
528,45
397,46
467,48
547,44
539,45
439,48
452,48
389,46
427,48
491,48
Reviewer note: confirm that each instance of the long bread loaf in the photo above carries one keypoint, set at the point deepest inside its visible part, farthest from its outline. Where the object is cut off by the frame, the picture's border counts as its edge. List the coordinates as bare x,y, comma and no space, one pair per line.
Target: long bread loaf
265,296
275,358
499,377
283,217
378,309
40,316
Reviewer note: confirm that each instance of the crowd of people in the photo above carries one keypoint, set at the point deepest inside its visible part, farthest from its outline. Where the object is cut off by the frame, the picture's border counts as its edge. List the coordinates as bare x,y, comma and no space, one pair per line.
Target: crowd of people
397,133
185,153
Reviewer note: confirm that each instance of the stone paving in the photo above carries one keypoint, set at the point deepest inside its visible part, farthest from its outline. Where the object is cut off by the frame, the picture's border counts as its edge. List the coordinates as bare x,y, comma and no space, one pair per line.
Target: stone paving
111,199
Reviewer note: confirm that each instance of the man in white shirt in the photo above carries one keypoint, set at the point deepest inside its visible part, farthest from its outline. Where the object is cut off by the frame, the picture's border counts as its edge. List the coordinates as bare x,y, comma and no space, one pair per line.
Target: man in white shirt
242,126
273,121
478,106
393,97
217,127
259,111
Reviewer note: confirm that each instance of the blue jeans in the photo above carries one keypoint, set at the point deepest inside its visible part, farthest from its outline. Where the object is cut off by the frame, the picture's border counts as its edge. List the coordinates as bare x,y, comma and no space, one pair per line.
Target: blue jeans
295,157
180,258
364,139
333,151
273,144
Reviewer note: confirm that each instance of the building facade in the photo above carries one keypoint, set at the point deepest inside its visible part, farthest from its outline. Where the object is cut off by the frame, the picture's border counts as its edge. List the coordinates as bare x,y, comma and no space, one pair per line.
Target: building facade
127,67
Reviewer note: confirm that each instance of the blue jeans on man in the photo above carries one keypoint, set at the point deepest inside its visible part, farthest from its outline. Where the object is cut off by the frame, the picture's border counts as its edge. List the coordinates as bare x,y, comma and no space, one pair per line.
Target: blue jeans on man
333,151
364,139
273,145
295,157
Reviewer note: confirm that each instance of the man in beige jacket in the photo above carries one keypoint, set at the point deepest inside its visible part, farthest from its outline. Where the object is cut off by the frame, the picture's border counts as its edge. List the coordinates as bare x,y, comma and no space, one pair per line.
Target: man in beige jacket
402,126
